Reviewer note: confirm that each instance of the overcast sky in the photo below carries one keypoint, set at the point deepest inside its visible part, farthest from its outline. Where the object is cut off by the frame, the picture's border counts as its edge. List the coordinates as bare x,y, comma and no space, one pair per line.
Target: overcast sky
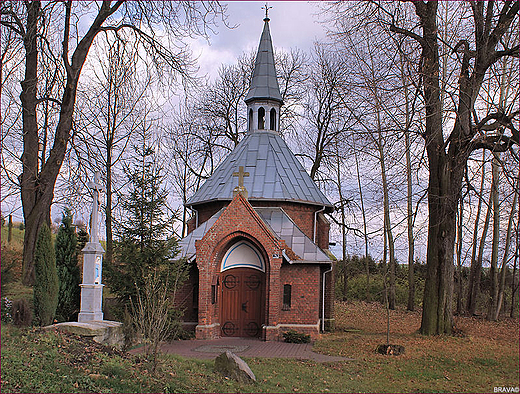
293,24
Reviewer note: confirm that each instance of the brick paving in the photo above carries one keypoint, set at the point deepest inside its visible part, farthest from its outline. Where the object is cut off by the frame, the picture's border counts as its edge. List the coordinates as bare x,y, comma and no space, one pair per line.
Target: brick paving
243,347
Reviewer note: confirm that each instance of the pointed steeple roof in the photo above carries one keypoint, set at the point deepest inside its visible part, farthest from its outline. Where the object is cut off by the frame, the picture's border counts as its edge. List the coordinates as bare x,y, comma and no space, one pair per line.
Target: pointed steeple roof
264,84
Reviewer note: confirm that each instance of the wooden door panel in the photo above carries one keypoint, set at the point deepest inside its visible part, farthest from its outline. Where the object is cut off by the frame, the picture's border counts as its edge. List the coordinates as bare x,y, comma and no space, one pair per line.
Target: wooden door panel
241,302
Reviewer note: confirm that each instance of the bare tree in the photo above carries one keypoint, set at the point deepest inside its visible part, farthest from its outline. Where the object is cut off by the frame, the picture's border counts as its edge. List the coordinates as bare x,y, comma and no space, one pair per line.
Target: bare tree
104,127
324,109
37,25
447,155
474,50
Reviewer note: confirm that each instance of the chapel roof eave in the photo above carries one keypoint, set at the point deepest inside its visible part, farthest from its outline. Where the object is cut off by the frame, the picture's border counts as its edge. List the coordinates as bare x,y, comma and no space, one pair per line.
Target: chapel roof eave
329,208
300,249
265,97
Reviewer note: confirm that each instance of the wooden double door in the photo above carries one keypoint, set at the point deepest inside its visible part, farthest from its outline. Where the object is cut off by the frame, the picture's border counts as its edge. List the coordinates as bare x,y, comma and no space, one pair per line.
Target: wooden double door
241,303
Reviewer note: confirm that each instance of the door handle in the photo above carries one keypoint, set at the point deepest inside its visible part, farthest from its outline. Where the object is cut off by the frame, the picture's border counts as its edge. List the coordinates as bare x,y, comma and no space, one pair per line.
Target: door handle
244,306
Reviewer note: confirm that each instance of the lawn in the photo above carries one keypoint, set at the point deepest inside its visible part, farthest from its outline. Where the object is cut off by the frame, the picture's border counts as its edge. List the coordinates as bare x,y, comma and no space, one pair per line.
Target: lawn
483,356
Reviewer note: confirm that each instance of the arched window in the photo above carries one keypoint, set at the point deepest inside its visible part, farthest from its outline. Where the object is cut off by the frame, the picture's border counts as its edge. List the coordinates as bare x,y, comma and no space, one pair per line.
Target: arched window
243,255
272,123
250,120
261,118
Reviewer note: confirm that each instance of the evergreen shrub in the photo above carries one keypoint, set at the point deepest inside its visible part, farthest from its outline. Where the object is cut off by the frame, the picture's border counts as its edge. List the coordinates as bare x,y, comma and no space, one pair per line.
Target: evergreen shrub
68,270
292,336
46,285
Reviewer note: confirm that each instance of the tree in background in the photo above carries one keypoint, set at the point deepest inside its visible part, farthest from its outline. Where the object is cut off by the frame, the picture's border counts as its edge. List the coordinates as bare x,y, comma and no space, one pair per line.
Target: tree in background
54,46
455,123
68,270
82,237
146,242
46,286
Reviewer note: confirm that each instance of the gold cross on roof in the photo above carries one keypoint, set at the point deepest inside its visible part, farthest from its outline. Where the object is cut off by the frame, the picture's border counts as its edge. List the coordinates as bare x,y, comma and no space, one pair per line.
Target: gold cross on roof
241,174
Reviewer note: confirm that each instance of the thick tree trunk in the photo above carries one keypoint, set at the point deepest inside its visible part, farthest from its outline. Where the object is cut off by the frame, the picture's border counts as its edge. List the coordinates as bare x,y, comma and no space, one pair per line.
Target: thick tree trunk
30,189
459,257
37,189
438,291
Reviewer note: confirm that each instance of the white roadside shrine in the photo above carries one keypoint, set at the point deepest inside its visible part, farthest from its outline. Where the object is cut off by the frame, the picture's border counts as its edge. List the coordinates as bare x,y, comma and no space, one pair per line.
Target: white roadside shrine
91,287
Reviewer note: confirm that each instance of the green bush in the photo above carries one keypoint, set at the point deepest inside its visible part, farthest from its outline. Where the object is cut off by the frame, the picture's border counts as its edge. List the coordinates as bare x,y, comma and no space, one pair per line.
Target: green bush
46,284
292,336
356,289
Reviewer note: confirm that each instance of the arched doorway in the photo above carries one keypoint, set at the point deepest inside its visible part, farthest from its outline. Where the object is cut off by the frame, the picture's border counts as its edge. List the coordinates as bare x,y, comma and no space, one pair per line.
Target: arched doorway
242,281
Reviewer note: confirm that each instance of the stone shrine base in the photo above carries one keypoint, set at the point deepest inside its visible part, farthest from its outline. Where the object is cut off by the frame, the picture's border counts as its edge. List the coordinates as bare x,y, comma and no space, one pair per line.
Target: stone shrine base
106,332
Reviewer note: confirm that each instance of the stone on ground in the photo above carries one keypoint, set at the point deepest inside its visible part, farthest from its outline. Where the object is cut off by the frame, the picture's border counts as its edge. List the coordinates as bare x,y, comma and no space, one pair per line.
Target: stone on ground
232,366
106,332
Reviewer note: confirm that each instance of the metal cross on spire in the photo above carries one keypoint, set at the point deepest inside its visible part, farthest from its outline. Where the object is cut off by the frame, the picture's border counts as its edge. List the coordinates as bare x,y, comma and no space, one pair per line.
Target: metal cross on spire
266,8
96,187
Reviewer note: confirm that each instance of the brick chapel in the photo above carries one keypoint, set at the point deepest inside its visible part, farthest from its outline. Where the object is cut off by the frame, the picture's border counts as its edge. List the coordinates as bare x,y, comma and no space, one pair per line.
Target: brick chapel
258,239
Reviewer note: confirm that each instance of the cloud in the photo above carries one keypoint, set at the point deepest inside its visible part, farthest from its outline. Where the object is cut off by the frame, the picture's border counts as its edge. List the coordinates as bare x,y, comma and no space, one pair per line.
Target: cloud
293,24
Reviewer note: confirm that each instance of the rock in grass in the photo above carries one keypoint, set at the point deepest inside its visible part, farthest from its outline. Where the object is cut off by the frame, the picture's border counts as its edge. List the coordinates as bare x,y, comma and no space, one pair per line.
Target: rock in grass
232,366
390,350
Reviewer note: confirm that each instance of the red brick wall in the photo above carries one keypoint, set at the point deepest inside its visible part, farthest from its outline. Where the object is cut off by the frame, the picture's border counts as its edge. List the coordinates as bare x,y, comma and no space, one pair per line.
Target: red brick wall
305,282
205,211
329,301
323,231
238,221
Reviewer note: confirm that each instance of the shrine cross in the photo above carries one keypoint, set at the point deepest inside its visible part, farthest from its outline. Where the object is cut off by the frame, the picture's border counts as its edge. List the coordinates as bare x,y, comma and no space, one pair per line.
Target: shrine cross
96,187
241,174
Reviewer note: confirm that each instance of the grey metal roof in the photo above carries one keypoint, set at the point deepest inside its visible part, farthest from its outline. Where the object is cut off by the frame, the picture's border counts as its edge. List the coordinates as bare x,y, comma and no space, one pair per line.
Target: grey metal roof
264,84
275,174
286,229
187,244
280,224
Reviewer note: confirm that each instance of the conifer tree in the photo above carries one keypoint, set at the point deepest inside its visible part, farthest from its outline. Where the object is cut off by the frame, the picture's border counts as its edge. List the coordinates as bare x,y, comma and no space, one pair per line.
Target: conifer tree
68,270
82,237
146,243
46,285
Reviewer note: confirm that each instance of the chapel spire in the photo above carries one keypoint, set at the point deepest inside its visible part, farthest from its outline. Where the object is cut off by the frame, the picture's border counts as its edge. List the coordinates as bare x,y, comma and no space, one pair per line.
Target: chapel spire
264,84
264,99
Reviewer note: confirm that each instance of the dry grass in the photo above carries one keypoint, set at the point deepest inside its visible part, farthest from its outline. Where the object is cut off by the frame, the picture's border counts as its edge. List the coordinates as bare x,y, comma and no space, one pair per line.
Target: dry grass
485,356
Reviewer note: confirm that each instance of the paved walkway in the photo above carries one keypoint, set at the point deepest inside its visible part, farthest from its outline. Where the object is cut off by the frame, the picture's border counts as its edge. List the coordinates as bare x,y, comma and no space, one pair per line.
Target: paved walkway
243,347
